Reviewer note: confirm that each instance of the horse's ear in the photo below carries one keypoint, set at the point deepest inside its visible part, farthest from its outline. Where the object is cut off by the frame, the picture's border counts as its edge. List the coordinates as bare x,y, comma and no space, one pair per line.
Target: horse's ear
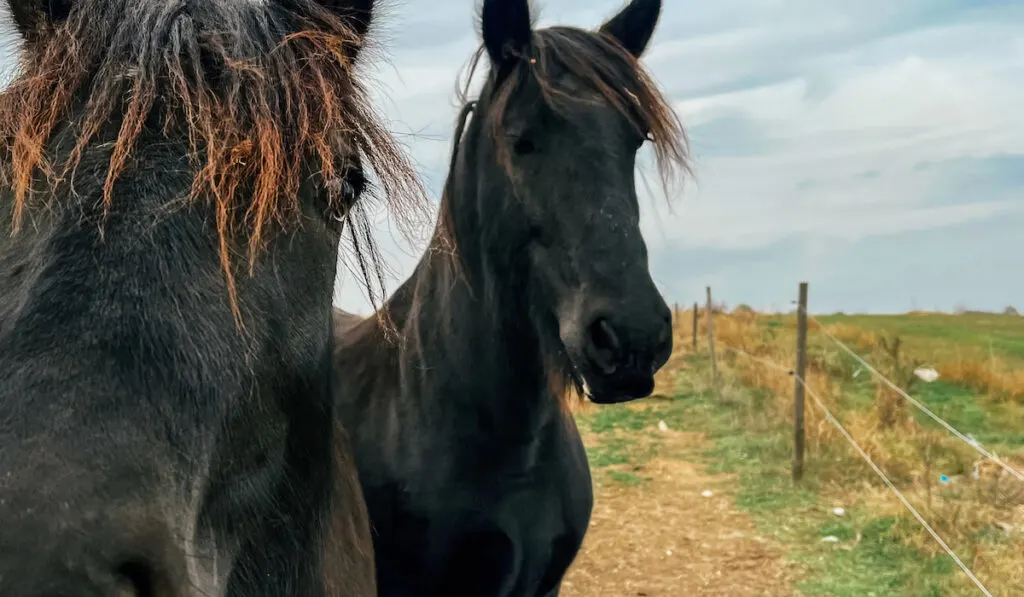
506,29
634,25
358,14
33,18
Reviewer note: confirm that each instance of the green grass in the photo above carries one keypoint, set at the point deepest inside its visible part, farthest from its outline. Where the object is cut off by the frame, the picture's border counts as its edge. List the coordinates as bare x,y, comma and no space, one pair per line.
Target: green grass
605,420
970,330
868,568
994,423
622,442
611,451
931,336
626,478
868,558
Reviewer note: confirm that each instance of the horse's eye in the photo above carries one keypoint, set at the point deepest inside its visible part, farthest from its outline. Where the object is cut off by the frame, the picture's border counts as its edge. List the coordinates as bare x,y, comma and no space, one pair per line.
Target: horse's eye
523,146
349,194
342,194
347,189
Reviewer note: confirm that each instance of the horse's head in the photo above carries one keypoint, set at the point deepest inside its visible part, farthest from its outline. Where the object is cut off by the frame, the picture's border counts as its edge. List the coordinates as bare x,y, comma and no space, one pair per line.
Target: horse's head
567,110
175,174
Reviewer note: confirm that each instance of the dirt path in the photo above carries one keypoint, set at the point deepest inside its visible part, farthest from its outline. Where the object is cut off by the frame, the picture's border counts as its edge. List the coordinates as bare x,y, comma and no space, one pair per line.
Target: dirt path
665,538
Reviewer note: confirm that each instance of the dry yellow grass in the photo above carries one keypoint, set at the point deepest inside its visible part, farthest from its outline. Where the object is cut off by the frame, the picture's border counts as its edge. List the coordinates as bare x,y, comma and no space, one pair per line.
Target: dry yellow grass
972,367
992,375
967,512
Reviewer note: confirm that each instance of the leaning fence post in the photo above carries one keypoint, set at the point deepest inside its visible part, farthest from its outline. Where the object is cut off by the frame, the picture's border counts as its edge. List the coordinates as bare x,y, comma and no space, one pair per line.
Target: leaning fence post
711,343
798,384
695,326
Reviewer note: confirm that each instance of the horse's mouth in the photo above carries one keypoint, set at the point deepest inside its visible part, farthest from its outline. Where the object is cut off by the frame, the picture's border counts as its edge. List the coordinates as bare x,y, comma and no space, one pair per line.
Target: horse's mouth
615,387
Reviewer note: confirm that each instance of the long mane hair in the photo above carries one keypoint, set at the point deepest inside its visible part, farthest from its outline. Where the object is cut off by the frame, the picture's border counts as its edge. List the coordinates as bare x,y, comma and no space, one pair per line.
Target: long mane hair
265,95
600,62
597,60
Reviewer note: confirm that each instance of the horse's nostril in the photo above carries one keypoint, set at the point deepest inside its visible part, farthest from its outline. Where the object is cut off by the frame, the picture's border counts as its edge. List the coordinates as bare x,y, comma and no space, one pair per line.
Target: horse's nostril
605,337
605,345
136,580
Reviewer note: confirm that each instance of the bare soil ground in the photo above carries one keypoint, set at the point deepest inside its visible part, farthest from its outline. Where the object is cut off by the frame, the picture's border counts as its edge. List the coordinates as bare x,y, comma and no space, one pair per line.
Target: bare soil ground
666,537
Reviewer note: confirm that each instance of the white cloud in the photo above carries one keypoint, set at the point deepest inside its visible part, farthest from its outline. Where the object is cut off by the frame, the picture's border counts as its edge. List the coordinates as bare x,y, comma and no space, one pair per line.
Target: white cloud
810,119
855,150
843,109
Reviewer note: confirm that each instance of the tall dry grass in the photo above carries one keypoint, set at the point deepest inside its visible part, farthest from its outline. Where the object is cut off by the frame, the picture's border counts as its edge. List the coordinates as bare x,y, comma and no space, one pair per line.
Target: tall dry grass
979,503
973,368
993,376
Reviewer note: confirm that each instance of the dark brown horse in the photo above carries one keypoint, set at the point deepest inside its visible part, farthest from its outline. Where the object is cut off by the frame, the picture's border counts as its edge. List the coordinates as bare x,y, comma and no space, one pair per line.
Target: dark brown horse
536,279
175,175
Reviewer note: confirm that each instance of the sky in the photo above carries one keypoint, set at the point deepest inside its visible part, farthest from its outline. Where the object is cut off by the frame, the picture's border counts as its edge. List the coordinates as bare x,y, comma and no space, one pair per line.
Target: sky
874,149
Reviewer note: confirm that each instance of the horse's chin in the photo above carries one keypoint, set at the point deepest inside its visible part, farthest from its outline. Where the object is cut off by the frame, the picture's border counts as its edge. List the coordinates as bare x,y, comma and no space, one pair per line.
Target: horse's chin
614,389
614,395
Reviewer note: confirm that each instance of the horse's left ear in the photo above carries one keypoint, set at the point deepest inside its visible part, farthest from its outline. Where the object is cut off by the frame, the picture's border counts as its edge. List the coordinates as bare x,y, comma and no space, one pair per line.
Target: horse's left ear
34,18
634,25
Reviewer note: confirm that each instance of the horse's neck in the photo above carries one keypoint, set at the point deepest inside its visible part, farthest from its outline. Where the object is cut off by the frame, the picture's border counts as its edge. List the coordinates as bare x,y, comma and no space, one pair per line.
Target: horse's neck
470,346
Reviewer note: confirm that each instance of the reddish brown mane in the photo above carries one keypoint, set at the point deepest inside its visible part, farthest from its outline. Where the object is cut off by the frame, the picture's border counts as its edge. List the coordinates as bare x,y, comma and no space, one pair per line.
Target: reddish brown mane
259,121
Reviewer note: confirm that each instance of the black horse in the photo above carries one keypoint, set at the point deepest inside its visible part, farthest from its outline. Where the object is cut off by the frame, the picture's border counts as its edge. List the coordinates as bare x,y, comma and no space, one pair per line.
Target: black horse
174,177
536,280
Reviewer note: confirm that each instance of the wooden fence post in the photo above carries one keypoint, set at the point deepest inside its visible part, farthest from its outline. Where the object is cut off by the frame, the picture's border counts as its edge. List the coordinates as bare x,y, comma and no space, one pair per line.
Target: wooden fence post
798,384
695,326
711,343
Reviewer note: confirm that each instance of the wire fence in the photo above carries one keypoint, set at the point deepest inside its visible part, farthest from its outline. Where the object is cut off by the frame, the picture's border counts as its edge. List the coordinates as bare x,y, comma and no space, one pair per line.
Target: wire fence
802,387
867,458
910,399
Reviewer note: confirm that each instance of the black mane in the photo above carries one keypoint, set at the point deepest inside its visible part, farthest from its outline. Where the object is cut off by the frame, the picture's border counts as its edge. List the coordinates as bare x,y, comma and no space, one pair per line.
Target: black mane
536,279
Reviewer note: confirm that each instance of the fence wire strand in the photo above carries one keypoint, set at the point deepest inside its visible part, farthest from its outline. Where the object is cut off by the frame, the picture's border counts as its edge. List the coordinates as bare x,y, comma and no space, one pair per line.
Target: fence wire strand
863,454
981,450
765,362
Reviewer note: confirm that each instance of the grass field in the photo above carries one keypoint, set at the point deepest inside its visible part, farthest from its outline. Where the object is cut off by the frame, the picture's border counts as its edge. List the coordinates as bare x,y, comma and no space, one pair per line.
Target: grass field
873,547
983,351
978,332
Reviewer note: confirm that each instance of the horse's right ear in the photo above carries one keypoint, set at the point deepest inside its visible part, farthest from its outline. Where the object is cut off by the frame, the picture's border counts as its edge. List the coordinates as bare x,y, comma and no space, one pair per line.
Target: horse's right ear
34,18
506,29
357,13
